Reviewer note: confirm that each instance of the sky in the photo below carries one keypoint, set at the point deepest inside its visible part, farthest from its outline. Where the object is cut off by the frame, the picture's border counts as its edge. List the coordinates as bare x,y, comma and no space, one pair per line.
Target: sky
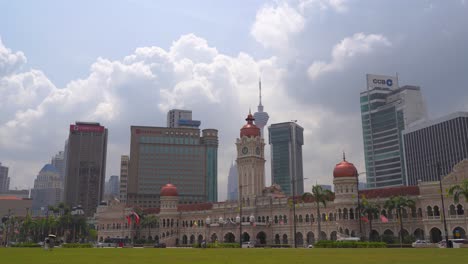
124,63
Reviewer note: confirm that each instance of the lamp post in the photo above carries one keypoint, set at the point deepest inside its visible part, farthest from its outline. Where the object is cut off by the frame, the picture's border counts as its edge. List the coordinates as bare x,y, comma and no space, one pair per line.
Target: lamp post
207,222
443,205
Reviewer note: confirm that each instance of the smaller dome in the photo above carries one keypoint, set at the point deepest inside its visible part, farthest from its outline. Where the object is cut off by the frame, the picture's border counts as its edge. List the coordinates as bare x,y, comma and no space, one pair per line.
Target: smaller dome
344,169
169,190
249,129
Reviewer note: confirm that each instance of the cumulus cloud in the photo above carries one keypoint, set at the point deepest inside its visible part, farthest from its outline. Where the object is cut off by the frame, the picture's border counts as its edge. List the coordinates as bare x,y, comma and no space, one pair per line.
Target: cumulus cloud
10,61
335,5
345,51
275,25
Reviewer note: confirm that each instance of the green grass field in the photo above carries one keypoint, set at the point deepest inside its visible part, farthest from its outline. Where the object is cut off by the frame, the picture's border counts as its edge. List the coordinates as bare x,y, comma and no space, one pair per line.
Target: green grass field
269,256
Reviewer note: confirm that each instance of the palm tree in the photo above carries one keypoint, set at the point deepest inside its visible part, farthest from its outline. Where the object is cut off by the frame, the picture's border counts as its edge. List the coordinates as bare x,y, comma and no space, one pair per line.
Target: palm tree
149,221
459,190
399,203
319,196
372,210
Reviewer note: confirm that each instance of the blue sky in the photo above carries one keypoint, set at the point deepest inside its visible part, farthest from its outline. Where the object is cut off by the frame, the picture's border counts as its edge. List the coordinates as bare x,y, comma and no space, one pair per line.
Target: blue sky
126,63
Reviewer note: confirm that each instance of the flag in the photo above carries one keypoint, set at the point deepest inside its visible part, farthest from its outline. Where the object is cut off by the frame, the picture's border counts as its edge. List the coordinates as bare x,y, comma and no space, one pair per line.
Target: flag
383,219
326,217
365,219
129,219
137,218
195,223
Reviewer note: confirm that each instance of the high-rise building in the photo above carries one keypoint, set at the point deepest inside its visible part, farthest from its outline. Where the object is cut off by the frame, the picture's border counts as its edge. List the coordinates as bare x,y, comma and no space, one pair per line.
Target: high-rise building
112,186
286,140
443,141
59,161
177,118
386,110
250,161
48,190
86,166
233,183
4,179
261,118
181,156
124,163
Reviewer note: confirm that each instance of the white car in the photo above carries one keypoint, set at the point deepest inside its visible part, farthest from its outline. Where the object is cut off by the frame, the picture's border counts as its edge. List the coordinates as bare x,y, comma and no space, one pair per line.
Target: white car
248,245
422,244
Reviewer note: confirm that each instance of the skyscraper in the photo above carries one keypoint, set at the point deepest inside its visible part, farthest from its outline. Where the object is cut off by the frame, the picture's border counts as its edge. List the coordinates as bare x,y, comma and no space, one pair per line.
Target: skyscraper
386,110
4,179
86,166
443,140
233,183
261,118
286,140
181,156
124,163
177,118
60,163
112,186
48,190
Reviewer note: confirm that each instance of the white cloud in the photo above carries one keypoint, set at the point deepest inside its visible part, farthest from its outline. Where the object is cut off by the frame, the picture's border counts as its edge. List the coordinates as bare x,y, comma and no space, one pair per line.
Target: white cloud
275,25
9,61
349,48
339,6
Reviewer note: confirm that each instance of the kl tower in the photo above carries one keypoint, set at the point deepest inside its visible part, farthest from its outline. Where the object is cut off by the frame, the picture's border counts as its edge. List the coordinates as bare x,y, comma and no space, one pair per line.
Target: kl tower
261,118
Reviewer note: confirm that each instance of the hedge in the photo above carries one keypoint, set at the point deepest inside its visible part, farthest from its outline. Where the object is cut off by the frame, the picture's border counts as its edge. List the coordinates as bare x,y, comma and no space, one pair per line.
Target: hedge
218,245
349,244
77,245
25,244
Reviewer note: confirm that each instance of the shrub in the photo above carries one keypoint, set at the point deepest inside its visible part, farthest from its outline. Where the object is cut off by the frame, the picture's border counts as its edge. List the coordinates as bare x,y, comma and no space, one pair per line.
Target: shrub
26,244
349,244
77,245
218,245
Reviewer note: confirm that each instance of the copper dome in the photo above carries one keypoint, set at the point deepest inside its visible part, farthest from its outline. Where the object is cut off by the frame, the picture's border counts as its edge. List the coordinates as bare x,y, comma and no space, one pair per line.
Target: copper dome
169,190
345,169
250,130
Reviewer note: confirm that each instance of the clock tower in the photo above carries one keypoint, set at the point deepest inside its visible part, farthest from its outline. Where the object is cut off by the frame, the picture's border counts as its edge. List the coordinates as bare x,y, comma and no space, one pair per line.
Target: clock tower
250,160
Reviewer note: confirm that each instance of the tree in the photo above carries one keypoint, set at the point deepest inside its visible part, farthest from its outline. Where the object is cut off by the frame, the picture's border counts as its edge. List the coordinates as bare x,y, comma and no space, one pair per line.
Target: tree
149,221
319,196
399,203
372,211
459,190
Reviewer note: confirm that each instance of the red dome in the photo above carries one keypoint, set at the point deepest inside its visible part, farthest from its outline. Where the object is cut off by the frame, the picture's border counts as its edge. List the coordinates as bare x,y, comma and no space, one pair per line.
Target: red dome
250,130
168,190
344,169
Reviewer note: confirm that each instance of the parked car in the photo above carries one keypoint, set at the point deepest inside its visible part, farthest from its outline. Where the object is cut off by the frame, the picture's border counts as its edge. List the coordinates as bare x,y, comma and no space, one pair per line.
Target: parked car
160,245
310,246
248,245
422,244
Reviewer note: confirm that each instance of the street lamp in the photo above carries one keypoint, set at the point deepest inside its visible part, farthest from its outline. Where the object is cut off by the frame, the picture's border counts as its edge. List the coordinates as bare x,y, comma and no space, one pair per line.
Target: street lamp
207,222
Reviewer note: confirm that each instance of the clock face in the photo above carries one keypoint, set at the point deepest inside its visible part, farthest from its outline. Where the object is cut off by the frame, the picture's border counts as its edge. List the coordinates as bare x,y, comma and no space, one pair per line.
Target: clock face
257,150
245,150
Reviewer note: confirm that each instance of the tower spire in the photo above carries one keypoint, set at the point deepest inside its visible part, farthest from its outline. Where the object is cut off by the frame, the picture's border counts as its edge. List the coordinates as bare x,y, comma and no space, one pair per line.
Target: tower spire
260,90
344,156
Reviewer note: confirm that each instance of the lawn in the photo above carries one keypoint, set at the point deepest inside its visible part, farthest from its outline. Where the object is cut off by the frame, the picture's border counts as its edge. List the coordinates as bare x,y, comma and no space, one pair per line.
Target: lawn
270,256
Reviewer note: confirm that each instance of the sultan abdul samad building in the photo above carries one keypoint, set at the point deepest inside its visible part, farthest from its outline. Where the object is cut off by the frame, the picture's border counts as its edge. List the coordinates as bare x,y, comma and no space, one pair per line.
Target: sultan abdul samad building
266,213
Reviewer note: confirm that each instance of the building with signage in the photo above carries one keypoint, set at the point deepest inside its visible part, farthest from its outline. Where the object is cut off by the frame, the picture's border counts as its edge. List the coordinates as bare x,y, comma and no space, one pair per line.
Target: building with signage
386,110
124,163
4,179
186,157
286,140
266,217
177,118
47,191
442,141
86,166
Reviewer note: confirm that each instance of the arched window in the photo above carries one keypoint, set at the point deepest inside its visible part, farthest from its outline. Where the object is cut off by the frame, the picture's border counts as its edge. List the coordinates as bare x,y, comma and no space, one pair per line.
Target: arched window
268,219
312,219
429,211
259,219
324,218
300,218
345,214
404,213
285,219
263,219
276,219
452,210
339,214
413,212
436,211
307,218
351,214
330,217
460,210
420,214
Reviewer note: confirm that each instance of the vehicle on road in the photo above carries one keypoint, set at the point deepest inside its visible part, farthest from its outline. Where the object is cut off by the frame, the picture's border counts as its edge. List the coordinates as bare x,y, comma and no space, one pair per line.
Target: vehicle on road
422,244
248,245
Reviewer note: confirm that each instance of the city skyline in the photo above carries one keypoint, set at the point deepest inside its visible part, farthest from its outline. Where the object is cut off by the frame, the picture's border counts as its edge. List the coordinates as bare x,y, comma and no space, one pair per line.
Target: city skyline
310,72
